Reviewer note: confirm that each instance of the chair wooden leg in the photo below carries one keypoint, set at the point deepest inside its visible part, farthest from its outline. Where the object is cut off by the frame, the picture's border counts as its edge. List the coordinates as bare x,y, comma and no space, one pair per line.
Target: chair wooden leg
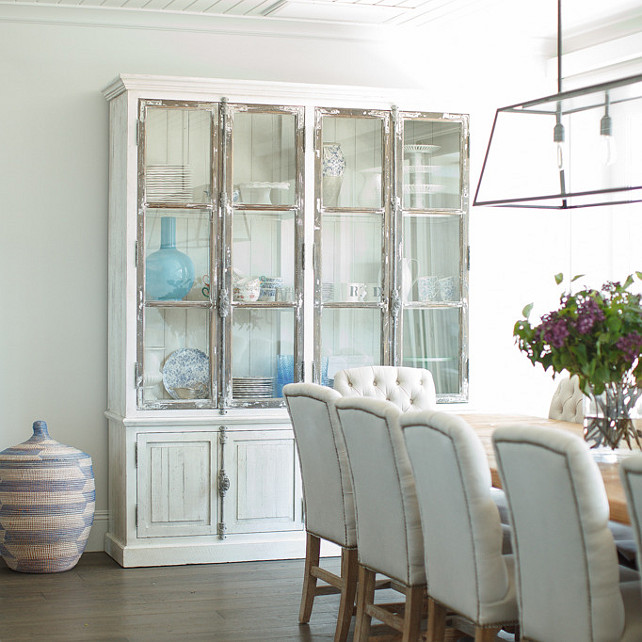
349,576
415,601
436,631
312,553
485,635
365,596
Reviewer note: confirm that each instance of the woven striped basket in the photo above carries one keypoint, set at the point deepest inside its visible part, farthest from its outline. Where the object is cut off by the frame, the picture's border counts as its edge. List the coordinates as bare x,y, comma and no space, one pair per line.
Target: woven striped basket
47,501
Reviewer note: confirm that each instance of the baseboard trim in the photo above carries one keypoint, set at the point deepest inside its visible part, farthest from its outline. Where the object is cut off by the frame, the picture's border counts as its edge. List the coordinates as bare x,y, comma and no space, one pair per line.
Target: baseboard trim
96,541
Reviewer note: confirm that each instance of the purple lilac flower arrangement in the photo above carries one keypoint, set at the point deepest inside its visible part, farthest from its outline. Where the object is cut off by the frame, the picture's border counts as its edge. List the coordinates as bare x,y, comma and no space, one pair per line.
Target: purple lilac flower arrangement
595,334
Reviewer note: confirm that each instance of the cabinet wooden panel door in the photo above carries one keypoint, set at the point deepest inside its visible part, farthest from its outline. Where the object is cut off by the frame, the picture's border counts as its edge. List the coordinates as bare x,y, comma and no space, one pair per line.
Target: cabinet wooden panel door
264,489
176,489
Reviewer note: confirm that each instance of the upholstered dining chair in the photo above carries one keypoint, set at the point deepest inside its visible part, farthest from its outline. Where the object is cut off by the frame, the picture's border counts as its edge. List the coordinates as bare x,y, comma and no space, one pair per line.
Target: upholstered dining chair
567,403
407,388
388,523
631,475
466,572
569,584
328,497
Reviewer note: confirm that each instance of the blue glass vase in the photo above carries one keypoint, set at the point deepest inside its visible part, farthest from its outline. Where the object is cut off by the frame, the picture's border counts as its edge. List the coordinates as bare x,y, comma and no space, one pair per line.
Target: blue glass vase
169,273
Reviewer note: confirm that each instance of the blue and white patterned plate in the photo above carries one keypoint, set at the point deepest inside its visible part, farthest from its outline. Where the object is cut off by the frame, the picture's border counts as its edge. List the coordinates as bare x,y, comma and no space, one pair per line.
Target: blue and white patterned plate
186,374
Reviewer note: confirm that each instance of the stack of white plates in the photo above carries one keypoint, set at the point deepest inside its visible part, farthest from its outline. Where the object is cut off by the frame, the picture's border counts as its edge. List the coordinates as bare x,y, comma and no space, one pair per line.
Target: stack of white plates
420,149
169,183
422,189
252,387
327,291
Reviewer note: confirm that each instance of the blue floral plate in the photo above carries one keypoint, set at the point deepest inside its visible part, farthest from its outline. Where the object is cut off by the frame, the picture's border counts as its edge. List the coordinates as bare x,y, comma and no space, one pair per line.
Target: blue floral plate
186,374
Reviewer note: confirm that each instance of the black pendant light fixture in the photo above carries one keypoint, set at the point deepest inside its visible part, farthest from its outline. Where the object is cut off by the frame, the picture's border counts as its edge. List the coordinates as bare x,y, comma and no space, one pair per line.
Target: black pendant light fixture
580,148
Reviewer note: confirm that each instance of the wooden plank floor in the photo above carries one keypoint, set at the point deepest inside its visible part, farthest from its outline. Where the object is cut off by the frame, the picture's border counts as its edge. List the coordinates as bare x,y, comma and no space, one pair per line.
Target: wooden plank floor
99,600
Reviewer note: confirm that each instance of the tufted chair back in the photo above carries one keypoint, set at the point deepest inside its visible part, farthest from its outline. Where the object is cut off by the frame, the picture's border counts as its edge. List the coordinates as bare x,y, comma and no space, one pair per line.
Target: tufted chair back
407,388
465,567
567,403
388,523
568,584
327,487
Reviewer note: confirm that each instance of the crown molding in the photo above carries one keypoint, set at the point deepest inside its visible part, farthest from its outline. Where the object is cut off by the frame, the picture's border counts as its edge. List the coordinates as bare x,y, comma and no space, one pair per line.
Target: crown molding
123,18
260,91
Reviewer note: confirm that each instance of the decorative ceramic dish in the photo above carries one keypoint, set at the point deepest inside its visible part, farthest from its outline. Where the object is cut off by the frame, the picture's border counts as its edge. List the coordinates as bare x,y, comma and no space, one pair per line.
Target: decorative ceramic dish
186,374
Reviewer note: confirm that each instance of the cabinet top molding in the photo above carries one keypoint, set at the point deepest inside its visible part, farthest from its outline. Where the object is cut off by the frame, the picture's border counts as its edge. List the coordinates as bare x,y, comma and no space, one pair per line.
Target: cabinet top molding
213,89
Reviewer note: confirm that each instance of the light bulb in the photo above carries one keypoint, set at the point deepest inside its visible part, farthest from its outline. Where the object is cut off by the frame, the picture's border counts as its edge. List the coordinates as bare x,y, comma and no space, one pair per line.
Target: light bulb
558,139
609,152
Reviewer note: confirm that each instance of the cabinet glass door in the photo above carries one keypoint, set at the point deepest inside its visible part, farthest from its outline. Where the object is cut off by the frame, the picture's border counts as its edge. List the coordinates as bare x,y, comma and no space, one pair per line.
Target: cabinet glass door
432,154
175,249
351,243
263,270
432,271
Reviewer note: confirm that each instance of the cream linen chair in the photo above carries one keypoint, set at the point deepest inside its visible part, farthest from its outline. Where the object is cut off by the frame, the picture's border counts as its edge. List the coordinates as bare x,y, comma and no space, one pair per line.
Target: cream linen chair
328,496
407,388
567,403
466,571
631,475
388,523
569,584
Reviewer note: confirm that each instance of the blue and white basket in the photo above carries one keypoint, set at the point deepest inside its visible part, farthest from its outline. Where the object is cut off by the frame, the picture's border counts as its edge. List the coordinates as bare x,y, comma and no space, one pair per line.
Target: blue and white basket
47,502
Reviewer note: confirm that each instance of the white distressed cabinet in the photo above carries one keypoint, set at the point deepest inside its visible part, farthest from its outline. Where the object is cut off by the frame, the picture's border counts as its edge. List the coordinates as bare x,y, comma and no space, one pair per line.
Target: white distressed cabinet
262,233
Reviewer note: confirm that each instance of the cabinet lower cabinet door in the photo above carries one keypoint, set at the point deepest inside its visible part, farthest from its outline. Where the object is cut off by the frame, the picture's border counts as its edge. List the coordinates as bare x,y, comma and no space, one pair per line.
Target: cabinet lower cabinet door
176,484
264,488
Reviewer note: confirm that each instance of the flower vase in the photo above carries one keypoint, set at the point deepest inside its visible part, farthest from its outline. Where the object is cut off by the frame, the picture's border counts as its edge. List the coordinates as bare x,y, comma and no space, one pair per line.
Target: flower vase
169,273
608,417
47,497
333,168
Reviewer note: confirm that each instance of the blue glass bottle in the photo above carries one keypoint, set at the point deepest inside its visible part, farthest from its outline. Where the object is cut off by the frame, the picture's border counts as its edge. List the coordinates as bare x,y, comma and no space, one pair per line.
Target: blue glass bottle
169,273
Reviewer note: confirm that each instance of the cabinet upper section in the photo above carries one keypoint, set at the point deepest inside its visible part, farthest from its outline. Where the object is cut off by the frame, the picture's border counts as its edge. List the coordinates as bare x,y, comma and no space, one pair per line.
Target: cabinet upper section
217,188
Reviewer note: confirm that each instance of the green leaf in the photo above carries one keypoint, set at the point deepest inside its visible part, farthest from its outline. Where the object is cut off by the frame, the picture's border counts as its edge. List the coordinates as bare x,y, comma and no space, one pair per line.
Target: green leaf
559,278
576,277
628,282
639,274
527,310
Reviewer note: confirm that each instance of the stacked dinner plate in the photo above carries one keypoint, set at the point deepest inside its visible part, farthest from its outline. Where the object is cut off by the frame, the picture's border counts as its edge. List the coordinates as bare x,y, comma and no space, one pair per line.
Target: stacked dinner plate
252,387
169,183
327,291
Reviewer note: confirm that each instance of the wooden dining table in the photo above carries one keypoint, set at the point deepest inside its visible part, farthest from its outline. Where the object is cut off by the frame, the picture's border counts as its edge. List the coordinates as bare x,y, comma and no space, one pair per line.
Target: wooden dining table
607,461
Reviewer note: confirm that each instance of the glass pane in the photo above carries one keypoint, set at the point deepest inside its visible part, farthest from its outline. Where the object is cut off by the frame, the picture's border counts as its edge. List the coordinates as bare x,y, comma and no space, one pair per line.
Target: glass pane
177,155
175,359
431,340
177,255
351,160
431,267
264,158
349,338
431,164
263,255
351,257
262,352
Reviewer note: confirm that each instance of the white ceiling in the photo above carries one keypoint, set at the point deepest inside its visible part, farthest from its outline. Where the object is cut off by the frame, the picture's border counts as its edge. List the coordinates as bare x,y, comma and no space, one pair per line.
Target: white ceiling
538,17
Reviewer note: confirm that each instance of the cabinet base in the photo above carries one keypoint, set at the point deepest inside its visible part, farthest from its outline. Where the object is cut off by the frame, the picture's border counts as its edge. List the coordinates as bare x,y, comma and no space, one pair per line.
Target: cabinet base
235,548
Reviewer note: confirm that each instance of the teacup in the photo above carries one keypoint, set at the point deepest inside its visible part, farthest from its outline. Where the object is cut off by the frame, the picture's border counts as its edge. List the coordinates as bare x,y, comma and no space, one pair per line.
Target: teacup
428,288
247,290
447,288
